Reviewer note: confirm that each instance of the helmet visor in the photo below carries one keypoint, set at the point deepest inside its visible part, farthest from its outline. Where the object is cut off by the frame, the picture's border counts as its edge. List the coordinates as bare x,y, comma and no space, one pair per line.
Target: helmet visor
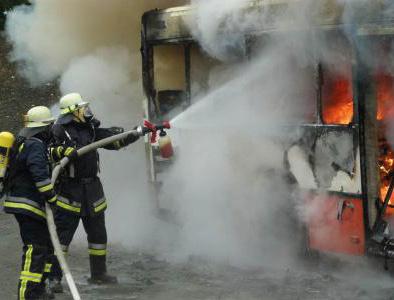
87,112
84,112
72,108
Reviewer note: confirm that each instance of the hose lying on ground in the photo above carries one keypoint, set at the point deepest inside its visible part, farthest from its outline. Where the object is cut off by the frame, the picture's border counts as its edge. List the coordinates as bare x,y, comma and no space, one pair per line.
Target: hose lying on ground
50,220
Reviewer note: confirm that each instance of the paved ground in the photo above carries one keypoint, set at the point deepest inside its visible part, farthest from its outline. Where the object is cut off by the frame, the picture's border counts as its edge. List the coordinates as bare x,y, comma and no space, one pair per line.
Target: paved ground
142,276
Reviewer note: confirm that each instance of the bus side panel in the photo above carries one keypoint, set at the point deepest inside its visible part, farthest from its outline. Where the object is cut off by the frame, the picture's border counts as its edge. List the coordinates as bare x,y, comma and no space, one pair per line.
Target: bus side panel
335,224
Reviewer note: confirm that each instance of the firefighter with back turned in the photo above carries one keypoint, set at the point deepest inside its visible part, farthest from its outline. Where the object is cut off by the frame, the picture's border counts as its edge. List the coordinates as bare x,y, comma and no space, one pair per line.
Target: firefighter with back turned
28,188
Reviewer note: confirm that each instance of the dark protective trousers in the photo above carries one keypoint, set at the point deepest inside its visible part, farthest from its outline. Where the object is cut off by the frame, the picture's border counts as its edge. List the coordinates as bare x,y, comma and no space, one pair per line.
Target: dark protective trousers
37,251
94,226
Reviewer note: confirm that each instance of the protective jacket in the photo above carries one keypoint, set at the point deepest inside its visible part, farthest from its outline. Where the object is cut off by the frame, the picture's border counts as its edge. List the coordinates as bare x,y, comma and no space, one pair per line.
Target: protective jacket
29,183
80,190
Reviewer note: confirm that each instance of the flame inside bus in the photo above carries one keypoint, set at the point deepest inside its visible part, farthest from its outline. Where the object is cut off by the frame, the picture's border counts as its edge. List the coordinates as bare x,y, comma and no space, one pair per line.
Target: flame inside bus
338,109
385,112
337,98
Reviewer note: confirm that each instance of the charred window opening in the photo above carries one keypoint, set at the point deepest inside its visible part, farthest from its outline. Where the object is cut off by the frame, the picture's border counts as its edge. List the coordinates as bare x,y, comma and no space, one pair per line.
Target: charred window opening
337,97
202,72
171,82
384,92
337,85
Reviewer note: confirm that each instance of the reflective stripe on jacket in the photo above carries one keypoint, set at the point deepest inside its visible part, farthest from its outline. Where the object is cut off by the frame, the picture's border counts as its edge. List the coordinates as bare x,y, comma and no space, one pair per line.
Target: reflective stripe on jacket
30,185
81,197
24,206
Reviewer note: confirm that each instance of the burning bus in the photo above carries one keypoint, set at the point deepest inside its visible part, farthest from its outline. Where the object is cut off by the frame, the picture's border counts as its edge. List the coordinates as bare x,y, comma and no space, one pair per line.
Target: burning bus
350,111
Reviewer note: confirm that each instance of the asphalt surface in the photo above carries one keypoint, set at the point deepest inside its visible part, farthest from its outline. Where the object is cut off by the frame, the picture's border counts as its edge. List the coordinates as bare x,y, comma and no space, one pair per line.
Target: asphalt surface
144,276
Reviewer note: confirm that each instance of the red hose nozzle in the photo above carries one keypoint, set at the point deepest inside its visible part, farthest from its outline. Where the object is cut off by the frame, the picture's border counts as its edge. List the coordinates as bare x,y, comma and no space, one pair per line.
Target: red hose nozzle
154,128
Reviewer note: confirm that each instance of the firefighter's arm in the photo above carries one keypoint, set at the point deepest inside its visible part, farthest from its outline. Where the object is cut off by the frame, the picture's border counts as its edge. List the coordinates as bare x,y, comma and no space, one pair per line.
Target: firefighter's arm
102,133
59,152
64,147
37,164
60,136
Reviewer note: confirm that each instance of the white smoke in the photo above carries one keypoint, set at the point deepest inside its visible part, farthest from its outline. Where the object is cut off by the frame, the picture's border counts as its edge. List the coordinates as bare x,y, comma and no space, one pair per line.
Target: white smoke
227,185
92,47
48,35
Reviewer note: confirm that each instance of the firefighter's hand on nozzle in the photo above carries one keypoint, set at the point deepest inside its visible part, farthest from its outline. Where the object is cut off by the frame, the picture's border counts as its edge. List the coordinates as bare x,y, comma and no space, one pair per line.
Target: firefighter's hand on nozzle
116,130
131,138
71,153
142,130
57,153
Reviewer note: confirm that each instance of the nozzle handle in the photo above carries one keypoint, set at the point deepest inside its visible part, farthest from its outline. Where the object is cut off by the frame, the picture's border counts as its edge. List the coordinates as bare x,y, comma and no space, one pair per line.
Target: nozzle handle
154,128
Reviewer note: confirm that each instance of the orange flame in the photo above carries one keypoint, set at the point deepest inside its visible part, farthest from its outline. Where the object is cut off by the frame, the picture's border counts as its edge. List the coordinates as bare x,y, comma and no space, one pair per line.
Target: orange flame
338,100
386,166
385,96
385,101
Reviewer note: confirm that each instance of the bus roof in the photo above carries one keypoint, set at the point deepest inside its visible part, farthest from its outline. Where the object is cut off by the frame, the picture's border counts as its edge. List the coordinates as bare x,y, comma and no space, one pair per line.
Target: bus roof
170,25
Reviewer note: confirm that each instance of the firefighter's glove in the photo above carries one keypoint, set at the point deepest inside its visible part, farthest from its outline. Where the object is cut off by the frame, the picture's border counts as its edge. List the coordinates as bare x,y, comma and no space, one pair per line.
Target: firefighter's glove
116,130
71,153
131,138
59,152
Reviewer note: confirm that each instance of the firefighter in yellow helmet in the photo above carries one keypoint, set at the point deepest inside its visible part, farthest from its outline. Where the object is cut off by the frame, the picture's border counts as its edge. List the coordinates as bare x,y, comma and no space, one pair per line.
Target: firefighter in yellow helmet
27,189
81,195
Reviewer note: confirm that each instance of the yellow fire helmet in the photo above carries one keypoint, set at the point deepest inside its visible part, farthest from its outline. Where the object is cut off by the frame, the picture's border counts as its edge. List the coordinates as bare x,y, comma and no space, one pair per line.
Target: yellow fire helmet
38,116
71,102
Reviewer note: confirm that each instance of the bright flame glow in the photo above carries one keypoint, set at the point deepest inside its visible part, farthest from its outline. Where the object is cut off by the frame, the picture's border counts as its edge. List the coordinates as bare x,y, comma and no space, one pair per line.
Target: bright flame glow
385,98
337,99
385,95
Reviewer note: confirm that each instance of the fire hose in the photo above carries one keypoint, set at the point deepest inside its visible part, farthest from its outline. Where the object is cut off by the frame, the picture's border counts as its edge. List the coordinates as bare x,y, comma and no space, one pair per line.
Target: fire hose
50,220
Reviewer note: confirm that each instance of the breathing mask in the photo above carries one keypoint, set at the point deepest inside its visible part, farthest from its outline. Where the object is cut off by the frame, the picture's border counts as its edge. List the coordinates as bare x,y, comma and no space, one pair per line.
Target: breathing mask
84,114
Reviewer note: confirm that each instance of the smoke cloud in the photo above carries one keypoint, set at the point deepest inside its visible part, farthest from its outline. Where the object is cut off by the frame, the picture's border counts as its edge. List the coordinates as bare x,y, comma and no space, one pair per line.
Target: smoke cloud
227,186
228,183
92,47
48,35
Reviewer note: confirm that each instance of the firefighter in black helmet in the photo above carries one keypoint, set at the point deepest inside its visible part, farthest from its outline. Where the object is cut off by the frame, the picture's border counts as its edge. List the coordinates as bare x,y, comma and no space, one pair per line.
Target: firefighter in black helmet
81,195
28,187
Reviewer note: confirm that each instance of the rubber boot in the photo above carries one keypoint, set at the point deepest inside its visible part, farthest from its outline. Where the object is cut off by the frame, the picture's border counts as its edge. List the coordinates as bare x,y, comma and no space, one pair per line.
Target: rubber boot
47,295
55,277
98,270
55,285
46,291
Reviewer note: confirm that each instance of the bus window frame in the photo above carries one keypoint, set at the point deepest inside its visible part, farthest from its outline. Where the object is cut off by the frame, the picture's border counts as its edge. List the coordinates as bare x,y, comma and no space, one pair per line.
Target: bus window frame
148,74
319,120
